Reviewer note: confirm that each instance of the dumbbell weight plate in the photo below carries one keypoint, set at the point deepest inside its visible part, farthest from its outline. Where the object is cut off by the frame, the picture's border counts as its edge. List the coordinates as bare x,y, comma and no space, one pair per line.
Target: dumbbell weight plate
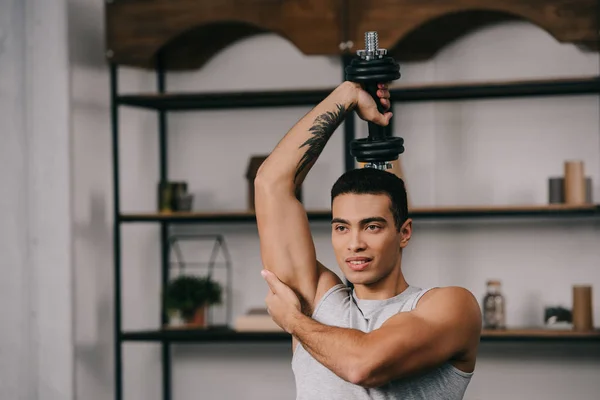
373,71
366,150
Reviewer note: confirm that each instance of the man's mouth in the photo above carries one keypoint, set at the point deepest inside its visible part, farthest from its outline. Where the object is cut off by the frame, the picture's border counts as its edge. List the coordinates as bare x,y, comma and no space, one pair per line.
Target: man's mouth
358,263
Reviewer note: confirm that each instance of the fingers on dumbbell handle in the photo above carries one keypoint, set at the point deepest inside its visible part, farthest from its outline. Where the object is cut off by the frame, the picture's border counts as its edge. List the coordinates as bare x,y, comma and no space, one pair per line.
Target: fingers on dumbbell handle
372,89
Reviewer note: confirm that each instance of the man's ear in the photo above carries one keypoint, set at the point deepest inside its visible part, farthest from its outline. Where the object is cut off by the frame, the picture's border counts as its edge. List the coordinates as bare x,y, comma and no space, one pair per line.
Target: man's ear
405,232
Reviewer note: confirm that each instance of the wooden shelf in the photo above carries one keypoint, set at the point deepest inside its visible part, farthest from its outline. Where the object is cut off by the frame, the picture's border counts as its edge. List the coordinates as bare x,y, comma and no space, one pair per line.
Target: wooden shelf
192,217
399,94
503,89
213,334
525,211
540,334
225,100
226,334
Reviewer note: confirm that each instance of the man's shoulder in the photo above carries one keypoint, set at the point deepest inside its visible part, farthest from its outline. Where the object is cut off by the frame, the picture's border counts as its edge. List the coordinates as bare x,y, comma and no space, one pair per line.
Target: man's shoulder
443,294
453,299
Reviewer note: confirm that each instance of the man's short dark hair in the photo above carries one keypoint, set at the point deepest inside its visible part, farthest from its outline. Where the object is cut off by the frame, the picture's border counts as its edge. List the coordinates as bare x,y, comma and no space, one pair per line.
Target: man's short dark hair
375,181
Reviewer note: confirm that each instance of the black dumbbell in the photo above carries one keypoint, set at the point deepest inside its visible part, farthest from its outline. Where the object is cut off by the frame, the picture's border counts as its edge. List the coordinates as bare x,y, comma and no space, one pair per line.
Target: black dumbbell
371,67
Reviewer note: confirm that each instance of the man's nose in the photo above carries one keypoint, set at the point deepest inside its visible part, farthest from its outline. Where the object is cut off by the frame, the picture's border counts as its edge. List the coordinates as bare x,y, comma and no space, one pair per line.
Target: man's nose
356,242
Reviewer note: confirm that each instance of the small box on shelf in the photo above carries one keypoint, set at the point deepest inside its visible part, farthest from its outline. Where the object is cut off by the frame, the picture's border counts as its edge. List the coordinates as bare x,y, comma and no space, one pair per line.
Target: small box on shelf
173,196
256,320
573,188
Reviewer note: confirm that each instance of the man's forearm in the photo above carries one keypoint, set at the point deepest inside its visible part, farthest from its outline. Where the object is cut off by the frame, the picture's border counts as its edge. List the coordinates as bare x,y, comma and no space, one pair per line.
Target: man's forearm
296,153
339,349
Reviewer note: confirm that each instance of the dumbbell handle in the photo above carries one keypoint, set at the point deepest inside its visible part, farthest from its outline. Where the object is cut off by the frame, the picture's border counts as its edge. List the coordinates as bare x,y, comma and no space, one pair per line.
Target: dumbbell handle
376,131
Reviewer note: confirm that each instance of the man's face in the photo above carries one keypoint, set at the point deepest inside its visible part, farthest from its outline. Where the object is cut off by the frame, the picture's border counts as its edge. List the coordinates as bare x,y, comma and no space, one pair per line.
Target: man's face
366,242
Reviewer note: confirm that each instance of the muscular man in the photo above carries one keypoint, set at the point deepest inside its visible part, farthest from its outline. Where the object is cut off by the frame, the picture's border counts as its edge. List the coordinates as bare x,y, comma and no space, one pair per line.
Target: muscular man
384,338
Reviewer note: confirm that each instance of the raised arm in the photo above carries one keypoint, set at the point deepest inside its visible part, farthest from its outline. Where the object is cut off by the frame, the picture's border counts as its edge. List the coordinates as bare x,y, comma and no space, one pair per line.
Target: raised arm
286,244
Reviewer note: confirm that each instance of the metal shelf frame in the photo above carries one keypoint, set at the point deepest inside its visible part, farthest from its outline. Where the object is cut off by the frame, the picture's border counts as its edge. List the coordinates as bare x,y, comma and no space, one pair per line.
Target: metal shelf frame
228,335
292,98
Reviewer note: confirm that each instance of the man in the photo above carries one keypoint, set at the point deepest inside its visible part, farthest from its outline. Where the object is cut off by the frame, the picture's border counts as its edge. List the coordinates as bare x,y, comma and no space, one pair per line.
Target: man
383,339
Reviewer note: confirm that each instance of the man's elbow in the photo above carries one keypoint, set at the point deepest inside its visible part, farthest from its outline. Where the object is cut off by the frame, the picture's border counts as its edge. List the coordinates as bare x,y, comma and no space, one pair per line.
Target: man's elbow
263,181
268,184
365,374
263,191
366,378
358,376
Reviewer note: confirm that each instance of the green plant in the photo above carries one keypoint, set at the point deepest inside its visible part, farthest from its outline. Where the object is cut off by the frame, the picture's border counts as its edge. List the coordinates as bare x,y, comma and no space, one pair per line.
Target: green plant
186,293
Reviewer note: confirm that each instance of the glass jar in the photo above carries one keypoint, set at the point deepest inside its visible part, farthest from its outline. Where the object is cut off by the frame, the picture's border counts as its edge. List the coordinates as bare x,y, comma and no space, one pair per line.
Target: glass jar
494,307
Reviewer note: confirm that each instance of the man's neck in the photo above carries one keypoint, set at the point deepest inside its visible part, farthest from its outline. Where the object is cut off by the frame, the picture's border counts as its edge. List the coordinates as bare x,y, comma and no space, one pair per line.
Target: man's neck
388,287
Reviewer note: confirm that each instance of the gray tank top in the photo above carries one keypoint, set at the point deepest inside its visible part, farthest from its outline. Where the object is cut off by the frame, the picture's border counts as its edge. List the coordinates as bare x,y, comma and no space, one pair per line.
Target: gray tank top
340,307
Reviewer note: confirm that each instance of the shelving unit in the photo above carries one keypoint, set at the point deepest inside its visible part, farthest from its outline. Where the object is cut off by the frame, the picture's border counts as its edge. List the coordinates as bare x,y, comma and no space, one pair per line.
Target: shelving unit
162,103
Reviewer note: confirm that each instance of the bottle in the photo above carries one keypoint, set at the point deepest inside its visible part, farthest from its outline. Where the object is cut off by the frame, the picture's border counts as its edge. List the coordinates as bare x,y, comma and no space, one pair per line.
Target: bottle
494,307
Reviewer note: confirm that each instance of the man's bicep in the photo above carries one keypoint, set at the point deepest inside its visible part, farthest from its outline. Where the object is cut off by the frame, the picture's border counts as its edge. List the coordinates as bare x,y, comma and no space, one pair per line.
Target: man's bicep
286,244
428,336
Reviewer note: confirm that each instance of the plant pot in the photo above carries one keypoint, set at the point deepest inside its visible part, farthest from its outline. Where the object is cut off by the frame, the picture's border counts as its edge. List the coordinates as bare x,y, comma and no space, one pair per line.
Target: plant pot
197,319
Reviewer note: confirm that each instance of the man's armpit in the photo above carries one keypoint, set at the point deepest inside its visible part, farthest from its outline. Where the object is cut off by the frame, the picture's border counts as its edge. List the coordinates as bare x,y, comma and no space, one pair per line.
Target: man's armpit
327,279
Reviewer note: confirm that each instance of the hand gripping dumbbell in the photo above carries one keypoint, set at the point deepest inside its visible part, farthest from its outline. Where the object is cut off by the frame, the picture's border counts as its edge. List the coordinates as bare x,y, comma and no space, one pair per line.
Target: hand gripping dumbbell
371,67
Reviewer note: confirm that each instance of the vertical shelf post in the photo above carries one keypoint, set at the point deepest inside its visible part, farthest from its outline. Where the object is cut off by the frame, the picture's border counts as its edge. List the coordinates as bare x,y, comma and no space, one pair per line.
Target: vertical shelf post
114,114
164,227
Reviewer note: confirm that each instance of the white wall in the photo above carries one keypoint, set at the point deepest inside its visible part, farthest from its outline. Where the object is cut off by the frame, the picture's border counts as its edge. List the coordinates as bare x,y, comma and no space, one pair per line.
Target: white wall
14,358
36,352
457,153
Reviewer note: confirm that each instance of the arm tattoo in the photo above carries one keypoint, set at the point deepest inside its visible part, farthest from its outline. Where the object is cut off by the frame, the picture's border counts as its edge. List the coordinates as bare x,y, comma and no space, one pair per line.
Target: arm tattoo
322,129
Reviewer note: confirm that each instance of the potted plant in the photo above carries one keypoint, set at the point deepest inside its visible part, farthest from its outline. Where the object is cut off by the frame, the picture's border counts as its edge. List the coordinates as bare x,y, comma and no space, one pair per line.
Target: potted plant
191,296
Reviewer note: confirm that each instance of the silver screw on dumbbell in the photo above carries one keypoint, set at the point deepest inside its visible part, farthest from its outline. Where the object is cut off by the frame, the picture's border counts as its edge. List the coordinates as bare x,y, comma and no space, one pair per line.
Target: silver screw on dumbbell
382,165
372,50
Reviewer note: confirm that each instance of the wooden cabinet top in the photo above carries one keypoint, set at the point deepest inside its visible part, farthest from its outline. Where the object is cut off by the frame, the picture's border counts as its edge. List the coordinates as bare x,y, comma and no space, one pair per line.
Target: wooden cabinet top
187,33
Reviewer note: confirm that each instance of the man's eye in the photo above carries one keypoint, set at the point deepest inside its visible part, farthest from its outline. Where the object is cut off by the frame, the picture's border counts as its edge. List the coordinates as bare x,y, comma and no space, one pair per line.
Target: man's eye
340,228
373,227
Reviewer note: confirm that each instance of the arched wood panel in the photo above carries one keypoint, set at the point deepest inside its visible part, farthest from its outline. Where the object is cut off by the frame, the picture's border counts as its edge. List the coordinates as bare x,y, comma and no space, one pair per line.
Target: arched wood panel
189,32
416,30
